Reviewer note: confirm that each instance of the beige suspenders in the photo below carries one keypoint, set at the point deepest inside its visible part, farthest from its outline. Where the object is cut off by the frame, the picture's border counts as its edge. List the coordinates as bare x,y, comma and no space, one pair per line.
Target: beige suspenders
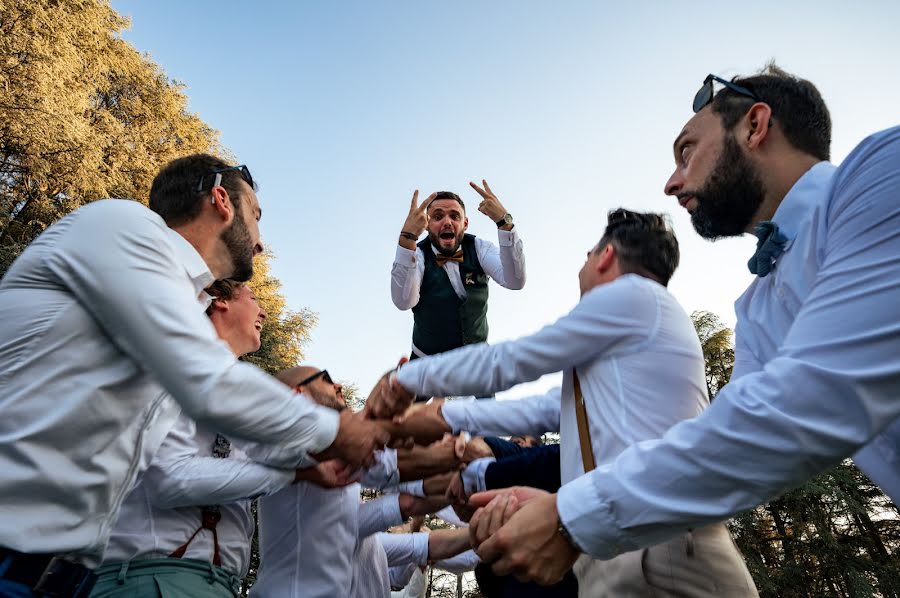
584,432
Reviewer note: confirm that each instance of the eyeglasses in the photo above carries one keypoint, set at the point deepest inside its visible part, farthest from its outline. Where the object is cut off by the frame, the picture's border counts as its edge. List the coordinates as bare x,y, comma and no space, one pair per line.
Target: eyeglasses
706,92
242,169
323,374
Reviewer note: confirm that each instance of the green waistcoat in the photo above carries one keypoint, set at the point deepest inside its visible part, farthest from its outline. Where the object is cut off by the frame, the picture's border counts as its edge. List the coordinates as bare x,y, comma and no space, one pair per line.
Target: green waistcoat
443,321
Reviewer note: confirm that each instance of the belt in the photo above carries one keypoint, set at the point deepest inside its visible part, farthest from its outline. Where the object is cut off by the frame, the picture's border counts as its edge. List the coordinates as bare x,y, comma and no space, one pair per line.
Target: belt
47,574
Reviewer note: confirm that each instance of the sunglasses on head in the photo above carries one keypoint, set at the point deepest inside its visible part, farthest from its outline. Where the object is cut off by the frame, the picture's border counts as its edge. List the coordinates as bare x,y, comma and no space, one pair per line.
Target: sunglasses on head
706,93
242,169
322,373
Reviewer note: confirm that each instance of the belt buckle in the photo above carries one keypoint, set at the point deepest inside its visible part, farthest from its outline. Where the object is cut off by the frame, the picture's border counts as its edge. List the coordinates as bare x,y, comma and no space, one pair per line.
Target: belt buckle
62,578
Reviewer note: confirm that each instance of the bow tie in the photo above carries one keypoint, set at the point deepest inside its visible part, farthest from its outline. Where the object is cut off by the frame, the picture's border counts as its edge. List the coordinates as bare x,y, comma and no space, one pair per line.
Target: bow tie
770,245
443,259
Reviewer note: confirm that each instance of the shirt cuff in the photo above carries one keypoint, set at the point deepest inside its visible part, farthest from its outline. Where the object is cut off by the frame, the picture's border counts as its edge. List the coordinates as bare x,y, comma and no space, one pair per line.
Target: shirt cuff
454,414
420,548
473,475
405,257
390,510
588,518
507,238
325,432
415,488
409,376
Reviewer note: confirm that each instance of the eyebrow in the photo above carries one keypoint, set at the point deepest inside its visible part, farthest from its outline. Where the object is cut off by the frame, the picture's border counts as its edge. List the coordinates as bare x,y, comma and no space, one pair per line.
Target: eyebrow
684,132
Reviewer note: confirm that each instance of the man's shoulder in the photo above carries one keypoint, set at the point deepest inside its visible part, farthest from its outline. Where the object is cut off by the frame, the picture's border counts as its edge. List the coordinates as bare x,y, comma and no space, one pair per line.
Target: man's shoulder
119,215
878,151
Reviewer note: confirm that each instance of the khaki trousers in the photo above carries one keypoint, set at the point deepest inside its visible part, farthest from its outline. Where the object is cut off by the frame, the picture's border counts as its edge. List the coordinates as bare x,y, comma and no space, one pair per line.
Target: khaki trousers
704,563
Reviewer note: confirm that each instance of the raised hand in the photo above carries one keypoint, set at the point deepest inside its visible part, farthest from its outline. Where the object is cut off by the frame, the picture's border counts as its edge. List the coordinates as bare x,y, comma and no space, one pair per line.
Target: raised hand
388,398
424,422
417,218
490,206
356,441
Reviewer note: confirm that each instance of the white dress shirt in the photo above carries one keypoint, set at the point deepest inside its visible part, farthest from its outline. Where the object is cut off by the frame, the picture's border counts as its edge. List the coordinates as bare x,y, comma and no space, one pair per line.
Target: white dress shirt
100,318
638,359
161,513
308,536
817,372
531,416
637,356
506,265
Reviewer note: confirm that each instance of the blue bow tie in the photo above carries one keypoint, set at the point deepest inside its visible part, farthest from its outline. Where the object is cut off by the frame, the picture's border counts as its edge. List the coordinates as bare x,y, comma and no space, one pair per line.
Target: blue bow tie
770,245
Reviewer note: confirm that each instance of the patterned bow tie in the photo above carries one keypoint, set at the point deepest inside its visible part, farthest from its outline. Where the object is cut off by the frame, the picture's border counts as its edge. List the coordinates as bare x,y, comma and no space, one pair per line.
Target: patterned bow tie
443,259
770,245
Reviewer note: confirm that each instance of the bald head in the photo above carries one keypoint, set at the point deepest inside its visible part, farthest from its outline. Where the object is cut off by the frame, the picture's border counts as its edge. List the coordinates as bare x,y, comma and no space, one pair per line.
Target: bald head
316,384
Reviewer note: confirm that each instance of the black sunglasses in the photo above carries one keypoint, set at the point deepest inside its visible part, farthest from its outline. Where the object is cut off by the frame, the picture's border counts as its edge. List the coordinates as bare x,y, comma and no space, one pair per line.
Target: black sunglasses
242,169
706,93
322,373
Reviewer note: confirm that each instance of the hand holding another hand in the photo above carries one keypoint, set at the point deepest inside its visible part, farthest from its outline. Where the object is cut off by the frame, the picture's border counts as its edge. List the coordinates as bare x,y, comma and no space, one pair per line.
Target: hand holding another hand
357,440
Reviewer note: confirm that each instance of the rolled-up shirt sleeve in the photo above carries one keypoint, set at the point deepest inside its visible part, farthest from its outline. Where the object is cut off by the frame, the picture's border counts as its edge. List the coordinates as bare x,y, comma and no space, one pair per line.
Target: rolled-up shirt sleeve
829,390
402,549
379,514
406,277
122,274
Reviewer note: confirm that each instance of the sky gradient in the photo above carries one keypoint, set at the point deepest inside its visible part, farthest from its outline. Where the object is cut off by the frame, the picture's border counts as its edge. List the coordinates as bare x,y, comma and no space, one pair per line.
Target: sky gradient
568,109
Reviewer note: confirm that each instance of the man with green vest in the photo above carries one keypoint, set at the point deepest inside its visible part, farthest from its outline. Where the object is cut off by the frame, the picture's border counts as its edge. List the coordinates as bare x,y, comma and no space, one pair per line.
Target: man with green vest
444,278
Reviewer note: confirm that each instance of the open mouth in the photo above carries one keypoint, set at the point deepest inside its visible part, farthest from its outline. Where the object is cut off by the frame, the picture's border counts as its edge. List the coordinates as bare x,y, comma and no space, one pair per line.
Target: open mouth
258,326
447,235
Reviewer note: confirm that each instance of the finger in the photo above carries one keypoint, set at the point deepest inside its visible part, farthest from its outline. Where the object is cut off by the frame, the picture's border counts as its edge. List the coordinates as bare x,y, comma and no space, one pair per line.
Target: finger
498,517
473,527
427,202
415,200
481,499
484,525
478,189
460,446
487,187
402,360
488,550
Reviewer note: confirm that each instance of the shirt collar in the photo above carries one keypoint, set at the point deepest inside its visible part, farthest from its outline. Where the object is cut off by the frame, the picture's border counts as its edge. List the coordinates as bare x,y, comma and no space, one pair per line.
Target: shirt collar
196,268
802,198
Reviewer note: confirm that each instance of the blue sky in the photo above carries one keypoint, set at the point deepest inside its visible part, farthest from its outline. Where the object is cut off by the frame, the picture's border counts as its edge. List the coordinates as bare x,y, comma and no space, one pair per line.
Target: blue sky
568,109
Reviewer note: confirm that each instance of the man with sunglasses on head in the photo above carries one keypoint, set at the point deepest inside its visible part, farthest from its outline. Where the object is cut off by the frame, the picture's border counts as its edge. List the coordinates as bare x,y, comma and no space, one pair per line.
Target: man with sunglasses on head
104,338
632,369
444,277
816,375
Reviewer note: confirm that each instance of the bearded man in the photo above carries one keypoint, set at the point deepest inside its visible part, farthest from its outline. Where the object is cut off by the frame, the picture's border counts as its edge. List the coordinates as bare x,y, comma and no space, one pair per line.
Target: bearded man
444,278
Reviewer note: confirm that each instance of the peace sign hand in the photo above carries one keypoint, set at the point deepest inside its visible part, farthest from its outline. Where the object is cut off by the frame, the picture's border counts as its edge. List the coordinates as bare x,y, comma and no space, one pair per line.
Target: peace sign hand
490,205
417,219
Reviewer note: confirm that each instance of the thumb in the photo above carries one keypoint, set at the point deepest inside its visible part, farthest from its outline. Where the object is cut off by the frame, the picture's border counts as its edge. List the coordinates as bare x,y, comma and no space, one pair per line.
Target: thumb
481,499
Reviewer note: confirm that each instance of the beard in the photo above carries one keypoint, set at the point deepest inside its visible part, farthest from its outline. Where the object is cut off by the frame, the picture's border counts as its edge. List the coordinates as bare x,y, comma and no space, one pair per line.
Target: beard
436,242
325,399
731,196
240,246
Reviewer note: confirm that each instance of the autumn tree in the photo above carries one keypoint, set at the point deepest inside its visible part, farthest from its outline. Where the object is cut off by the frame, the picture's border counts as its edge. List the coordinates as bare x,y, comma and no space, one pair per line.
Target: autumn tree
83,116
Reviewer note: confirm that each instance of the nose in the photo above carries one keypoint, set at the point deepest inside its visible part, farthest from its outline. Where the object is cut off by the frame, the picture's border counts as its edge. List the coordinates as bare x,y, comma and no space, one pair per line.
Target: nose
262,314
258,248
675,183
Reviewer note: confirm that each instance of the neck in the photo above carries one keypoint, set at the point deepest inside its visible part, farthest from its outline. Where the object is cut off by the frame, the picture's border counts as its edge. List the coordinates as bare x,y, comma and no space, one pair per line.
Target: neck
207,243
788,169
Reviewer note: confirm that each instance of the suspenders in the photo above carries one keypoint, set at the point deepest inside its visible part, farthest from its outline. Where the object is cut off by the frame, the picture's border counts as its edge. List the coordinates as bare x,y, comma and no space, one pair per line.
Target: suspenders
209,516
584,432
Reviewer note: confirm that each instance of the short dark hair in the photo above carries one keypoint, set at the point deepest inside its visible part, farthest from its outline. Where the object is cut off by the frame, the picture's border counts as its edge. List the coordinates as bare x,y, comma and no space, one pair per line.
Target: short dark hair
224,289
448,195
174,194
645,244
796,105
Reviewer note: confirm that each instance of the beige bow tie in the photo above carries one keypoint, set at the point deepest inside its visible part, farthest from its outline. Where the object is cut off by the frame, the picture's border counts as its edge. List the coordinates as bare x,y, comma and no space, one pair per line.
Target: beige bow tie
443,259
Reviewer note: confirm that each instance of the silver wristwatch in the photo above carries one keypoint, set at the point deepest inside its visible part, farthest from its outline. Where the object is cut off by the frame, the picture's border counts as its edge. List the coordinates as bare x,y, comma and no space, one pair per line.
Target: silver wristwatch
507,219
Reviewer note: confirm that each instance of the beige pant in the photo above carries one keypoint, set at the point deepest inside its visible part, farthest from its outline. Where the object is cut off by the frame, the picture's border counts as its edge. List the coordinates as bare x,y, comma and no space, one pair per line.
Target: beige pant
704,563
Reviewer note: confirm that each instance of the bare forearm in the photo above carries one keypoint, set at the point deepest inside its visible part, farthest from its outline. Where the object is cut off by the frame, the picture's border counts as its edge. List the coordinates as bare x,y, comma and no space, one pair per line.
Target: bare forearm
444,543
420,462
437,485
